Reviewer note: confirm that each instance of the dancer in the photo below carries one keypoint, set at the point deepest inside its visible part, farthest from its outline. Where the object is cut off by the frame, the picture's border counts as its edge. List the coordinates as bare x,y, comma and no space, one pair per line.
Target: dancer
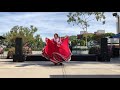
57,49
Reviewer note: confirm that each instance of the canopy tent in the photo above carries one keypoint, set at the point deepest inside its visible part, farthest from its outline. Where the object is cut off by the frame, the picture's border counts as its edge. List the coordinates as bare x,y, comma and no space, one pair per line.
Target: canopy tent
117,36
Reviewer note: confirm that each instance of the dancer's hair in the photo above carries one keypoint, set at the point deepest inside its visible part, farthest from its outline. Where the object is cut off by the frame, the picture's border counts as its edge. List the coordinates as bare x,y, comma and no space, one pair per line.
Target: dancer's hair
56,34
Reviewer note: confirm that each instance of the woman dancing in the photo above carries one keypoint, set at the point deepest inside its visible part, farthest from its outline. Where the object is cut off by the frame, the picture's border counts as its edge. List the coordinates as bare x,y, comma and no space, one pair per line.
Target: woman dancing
57,49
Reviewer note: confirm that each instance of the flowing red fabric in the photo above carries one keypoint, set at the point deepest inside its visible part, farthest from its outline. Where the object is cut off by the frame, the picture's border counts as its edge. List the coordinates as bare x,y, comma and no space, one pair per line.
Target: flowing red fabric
57,53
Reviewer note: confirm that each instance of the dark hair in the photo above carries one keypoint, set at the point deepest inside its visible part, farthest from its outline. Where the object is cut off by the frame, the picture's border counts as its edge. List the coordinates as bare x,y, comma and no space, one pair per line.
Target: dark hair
56,34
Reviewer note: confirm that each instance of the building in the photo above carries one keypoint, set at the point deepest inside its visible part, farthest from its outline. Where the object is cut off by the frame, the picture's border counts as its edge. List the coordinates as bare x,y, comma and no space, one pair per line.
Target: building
100,32
118,25
82,32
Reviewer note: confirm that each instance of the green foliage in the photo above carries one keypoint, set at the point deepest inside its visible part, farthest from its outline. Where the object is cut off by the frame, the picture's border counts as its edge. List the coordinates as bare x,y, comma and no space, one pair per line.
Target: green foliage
82,18
74,42
73,38
82,42
97,37
27,50
108,34
38,43
94,37
27,35
11,52
94,50
6,49
89,37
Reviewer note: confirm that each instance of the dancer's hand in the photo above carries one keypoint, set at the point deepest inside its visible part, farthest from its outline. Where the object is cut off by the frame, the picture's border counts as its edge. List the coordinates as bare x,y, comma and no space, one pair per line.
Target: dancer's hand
58,45
66,36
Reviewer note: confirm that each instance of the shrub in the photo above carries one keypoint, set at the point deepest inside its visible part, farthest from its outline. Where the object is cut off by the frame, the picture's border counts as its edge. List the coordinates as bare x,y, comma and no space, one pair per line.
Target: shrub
11,52
27,50
6,49
82,43
94,50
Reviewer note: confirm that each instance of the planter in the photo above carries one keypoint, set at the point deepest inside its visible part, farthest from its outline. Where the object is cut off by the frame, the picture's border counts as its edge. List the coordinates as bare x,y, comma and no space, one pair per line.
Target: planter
84,52
80,51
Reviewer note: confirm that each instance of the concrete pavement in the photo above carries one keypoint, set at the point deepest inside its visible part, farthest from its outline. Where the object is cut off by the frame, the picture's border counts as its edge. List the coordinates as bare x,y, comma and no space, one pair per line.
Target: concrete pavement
46,69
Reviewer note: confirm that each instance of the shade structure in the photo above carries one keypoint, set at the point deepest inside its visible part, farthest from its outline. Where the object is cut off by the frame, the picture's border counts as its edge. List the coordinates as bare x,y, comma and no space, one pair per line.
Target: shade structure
116,36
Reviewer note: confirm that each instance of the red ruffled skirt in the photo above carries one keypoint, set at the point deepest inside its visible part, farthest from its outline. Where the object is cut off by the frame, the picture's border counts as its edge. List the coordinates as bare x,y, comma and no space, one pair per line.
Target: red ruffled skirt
55,53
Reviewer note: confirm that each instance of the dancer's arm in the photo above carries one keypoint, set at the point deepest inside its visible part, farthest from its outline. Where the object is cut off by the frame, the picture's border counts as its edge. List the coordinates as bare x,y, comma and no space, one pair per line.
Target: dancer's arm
67,36
63,38
53,41
59,42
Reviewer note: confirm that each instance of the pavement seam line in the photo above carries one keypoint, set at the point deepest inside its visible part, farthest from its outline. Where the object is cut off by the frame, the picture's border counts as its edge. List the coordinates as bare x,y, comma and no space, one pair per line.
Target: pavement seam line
64,72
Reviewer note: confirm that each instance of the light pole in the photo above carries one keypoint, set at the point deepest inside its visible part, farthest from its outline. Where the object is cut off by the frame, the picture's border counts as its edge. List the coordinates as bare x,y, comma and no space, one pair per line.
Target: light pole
118,27
117,16
86,35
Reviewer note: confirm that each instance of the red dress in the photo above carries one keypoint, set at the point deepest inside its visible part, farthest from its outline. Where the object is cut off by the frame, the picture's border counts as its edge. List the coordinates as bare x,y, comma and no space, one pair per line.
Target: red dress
57,51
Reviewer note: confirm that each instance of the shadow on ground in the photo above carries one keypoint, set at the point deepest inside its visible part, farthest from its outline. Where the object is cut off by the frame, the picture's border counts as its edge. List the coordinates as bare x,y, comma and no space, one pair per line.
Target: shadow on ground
50,64
84,76
35,64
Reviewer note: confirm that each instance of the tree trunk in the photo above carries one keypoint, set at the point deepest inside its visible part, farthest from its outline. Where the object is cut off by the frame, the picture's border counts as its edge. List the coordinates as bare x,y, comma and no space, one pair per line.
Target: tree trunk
86,36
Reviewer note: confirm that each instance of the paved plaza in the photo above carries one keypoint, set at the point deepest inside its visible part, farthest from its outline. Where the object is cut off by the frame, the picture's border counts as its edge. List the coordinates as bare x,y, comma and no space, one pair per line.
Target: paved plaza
72,69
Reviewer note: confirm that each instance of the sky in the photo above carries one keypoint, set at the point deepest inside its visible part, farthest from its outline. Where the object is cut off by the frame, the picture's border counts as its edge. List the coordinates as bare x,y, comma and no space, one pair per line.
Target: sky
49,23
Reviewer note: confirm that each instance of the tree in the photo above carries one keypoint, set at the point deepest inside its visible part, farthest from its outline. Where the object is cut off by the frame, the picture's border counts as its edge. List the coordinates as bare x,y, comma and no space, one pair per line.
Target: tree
39,43
82,42
89,36
82,19
26,33
73,40
19,31
97,37
108,34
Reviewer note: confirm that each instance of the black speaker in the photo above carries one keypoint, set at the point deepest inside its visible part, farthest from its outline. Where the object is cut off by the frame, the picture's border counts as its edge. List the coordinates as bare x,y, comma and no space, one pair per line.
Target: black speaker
116,52
104,46
18,46
104,56
18,57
